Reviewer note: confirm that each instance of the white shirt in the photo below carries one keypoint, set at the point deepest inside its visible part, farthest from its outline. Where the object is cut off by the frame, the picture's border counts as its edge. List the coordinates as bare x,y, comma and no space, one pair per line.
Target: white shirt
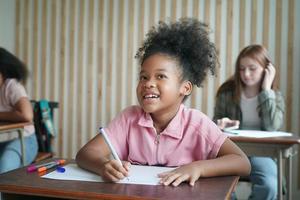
10,93
248,106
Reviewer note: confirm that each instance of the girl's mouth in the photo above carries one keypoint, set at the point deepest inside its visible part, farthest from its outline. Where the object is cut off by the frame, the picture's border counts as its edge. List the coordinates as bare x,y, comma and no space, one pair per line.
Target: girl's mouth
150,96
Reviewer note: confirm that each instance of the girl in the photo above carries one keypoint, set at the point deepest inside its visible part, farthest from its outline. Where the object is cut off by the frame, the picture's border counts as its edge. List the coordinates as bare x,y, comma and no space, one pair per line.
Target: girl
162,131
249,99
14,107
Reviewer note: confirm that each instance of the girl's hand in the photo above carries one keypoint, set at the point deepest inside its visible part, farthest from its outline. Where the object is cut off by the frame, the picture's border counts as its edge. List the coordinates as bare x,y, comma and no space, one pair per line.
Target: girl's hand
226,122
113,171
190,173
270,72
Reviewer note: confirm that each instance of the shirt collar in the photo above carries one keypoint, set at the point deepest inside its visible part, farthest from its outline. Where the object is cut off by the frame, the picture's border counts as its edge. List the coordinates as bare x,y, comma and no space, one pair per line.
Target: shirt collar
175,127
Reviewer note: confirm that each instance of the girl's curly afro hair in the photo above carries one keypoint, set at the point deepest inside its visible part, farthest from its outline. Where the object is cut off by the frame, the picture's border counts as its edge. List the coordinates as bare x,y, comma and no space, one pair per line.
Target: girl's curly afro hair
187,41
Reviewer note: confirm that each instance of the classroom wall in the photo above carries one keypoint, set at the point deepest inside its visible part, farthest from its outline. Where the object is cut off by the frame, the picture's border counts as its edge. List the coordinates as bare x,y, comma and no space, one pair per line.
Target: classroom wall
7,25
81,54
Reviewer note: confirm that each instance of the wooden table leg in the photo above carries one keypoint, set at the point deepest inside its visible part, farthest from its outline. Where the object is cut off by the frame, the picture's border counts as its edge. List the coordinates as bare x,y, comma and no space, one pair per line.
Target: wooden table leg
279,174
21,131
290,175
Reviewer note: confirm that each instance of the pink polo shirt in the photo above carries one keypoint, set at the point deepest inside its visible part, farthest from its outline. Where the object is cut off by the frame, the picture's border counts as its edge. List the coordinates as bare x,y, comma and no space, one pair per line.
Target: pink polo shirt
190,136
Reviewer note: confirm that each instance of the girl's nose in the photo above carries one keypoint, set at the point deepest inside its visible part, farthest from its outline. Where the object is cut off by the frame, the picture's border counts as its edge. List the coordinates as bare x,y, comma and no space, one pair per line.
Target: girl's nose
149,84
247,72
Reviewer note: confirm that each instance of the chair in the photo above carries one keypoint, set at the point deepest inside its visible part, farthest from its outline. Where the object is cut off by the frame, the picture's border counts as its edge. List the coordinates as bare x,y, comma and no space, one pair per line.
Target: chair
44,139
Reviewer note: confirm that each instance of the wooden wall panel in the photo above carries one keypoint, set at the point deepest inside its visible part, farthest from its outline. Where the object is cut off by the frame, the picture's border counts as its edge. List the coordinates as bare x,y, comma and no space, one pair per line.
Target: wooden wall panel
290,65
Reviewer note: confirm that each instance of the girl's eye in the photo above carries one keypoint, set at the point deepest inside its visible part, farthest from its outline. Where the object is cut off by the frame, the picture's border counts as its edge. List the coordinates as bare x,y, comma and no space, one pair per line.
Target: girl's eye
161,76
142,77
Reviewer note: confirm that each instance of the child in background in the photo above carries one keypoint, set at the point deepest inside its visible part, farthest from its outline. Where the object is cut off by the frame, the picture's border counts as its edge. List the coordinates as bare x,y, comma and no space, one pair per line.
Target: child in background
161,130
249,99
14,107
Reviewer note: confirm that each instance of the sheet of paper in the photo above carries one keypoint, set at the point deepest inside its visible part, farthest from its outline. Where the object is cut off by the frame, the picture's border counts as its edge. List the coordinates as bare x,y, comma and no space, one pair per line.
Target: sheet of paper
257,133
145,175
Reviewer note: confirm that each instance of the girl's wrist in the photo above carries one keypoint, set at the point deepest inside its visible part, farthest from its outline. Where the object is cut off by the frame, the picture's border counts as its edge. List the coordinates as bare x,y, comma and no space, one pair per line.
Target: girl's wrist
199,168
266,87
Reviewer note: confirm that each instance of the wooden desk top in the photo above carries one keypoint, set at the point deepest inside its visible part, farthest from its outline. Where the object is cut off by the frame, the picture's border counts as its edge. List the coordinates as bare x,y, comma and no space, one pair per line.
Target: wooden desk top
21,182
11,125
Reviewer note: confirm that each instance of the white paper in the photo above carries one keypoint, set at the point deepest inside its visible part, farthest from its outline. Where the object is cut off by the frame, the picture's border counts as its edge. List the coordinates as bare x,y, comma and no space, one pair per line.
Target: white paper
257,133
138,174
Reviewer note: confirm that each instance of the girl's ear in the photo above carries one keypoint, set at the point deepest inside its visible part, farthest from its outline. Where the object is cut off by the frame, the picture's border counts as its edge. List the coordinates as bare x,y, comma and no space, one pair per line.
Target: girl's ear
186,88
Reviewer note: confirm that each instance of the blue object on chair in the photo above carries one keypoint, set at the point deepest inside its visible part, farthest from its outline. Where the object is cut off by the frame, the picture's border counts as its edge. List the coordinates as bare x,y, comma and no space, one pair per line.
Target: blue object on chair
47,117
43,122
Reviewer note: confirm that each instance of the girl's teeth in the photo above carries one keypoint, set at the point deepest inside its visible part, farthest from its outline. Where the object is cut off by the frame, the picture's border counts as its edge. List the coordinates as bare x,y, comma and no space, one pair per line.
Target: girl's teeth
150,96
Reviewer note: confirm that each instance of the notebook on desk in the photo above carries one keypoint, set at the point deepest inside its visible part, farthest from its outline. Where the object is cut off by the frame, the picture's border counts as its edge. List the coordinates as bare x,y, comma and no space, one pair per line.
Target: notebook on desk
257,133
144,175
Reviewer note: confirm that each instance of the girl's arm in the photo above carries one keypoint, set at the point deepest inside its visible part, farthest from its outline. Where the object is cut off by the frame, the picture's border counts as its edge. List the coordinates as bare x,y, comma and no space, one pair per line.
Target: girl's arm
222,118
271,110
230,161
95,157
220,108
22,112
271,104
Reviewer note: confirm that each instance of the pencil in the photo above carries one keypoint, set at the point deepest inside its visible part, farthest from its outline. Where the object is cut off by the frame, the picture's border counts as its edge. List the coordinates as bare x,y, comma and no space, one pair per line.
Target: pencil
112,149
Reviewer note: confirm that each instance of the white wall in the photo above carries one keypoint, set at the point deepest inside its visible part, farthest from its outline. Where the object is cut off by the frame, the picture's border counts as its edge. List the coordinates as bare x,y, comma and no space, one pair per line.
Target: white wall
7,24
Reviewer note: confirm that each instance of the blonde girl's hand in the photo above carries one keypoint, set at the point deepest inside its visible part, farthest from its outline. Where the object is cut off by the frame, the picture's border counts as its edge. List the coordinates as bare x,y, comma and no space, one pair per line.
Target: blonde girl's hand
190,173
226,122
113,171
269,76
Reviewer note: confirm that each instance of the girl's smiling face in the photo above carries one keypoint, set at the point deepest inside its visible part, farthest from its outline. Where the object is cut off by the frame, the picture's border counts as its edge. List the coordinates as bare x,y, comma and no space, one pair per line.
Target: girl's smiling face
160,89
251,72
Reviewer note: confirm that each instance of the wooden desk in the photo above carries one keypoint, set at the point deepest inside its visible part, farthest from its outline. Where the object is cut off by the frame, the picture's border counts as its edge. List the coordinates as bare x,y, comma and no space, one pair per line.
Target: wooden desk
276,147
6,127
18,184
